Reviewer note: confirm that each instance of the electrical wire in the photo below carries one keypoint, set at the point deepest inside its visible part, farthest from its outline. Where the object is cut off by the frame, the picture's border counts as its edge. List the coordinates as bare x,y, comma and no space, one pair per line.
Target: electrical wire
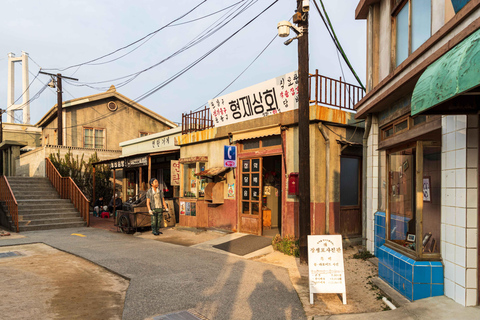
131,44
337,43
184,70
244,70
212,29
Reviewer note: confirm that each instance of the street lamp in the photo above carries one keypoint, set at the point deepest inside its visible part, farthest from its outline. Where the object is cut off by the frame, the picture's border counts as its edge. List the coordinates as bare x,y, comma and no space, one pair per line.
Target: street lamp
301,18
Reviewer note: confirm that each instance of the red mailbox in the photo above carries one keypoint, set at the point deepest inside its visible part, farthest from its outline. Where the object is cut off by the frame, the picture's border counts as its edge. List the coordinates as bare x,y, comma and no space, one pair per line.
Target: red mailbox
293,183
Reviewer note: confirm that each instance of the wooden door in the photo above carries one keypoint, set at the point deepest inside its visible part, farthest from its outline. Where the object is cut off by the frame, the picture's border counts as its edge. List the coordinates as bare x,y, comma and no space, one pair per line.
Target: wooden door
251,196
350,196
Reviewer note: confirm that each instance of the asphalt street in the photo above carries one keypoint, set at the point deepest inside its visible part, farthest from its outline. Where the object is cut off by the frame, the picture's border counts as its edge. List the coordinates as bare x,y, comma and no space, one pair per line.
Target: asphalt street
166,278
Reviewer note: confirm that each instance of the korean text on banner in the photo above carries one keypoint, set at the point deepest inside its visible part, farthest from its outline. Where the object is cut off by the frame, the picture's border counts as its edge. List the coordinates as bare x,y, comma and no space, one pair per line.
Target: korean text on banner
326,271
267,98
175,176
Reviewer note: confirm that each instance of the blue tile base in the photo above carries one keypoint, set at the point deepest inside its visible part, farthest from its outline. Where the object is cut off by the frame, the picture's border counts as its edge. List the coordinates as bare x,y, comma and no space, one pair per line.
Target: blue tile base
413,279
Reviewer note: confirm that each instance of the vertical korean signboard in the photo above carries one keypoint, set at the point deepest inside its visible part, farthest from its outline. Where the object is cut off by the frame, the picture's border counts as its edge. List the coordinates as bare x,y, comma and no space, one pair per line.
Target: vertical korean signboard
326,271
175,176
267,98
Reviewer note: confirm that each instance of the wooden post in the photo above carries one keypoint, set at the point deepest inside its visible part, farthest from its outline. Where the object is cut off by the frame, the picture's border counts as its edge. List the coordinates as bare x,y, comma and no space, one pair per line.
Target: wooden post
303,137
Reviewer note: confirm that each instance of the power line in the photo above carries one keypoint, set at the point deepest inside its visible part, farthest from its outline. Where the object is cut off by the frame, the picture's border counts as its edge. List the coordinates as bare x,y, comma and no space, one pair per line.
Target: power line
131,44
184,70
212,29
337,43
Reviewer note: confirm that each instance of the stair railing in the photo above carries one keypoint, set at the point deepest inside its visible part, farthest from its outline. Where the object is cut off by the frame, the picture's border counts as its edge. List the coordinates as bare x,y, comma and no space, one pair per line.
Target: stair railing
7,195
68,189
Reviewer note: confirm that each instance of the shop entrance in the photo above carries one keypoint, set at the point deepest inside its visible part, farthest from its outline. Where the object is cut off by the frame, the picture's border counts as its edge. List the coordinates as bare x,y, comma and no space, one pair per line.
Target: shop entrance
350,196
272,195
261,194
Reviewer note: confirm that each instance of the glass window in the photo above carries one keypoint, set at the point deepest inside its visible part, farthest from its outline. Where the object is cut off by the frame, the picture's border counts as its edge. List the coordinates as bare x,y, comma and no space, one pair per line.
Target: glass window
99,139
412,31
349,173
419,119
251,144
401,126
402,35
93,138
431,198
271,141
88,140
401,195
421,22
190,182
388,132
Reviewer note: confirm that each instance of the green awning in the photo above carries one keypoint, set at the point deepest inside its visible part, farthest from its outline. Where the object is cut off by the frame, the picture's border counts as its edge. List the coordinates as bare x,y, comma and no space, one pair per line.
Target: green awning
456,72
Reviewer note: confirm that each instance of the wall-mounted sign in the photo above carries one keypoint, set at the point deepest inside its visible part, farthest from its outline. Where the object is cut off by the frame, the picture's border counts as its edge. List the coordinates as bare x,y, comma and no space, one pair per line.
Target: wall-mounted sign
117,164
326,271
137,162
264,99
175,172
426,189
230,156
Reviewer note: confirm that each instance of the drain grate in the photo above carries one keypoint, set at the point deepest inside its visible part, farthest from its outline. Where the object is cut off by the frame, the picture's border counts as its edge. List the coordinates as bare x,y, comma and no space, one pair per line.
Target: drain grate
9,254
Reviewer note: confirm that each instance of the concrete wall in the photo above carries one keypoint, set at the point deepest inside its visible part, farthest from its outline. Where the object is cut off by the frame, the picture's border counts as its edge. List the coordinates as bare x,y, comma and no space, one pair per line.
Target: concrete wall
32,163
23,133
459,207
125,123
372,182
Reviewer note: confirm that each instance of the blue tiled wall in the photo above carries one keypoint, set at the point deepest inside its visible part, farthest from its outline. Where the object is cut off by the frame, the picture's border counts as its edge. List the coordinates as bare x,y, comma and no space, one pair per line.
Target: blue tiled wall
413,279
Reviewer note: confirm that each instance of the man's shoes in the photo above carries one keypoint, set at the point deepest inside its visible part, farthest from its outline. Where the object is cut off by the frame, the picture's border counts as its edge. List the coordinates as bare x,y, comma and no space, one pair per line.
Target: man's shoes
159,232
155,233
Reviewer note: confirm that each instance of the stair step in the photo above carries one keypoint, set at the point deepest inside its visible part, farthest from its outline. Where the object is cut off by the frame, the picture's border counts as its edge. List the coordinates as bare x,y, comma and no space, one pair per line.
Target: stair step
37,197
51,226
37,211
39,216
36,222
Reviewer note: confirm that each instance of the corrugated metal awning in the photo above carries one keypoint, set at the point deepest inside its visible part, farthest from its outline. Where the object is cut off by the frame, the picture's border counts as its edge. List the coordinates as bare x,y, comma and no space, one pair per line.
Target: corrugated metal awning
215,171
453,74
256,133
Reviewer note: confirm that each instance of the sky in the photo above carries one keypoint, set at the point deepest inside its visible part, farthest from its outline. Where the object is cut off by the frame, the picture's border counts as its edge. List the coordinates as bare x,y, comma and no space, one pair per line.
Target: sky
60,34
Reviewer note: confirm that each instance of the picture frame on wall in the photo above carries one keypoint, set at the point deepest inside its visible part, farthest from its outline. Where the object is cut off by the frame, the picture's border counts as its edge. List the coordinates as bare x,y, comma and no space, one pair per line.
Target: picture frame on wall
410,237
427,196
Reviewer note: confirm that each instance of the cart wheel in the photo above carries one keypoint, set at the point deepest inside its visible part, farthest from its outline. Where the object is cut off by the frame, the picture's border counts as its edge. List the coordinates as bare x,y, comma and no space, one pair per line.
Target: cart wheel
124,224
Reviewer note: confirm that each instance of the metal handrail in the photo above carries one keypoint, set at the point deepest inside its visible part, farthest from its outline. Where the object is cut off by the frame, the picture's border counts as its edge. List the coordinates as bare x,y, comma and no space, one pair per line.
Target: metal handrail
7,195
68,189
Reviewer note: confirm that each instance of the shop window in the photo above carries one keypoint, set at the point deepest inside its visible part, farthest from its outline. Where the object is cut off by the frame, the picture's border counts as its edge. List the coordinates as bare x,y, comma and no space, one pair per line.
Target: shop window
94,138
247,145
403,124
194,186
272,141
412,19
414,188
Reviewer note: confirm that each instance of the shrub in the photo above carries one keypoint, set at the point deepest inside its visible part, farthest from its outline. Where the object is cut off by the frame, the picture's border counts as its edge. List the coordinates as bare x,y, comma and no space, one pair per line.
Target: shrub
288,245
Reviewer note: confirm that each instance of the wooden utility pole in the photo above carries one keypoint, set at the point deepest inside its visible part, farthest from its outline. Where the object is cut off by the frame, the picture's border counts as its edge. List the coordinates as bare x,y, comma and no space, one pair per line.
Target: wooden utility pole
59,104
303,135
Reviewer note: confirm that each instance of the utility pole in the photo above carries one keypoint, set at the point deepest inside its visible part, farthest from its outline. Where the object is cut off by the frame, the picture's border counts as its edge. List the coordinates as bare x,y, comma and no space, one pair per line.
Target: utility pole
1,124
59,104
301,18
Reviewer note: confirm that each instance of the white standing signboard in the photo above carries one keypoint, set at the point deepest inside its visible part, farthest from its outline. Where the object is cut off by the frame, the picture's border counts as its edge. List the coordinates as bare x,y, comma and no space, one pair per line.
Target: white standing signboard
267,98
326,271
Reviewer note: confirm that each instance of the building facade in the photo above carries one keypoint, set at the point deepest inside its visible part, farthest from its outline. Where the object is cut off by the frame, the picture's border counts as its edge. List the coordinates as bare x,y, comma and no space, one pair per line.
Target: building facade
421,190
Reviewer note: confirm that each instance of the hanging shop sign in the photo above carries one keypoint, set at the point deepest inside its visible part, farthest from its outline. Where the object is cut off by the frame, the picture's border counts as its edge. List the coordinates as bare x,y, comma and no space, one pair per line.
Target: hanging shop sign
264,99
117,164
175,172
326,271
230,156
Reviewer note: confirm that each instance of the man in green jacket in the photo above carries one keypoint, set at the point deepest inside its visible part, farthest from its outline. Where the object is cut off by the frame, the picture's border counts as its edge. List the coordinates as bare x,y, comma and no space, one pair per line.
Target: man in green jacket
155,205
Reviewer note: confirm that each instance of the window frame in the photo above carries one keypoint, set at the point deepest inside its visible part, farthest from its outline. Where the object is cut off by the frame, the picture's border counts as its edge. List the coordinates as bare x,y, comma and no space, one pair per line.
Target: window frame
418,253
104,142
397,6
260,146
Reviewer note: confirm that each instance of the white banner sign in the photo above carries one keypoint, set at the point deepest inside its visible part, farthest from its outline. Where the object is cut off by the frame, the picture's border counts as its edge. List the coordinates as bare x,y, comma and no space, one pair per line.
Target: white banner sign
270,97
326,271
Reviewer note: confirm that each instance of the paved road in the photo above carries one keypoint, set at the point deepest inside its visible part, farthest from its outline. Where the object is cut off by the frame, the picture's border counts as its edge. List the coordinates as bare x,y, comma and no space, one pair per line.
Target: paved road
165,278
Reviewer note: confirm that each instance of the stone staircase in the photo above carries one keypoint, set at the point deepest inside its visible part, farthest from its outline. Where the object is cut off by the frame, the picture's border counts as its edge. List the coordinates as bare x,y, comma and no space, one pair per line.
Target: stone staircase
40,206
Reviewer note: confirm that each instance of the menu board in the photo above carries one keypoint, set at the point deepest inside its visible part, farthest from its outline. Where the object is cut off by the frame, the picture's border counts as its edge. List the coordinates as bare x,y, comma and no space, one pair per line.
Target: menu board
326,270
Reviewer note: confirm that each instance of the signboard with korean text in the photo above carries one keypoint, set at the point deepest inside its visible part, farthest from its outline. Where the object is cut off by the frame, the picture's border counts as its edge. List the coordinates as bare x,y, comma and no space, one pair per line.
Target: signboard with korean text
230,156
175,169
326,271
137,162
267,98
